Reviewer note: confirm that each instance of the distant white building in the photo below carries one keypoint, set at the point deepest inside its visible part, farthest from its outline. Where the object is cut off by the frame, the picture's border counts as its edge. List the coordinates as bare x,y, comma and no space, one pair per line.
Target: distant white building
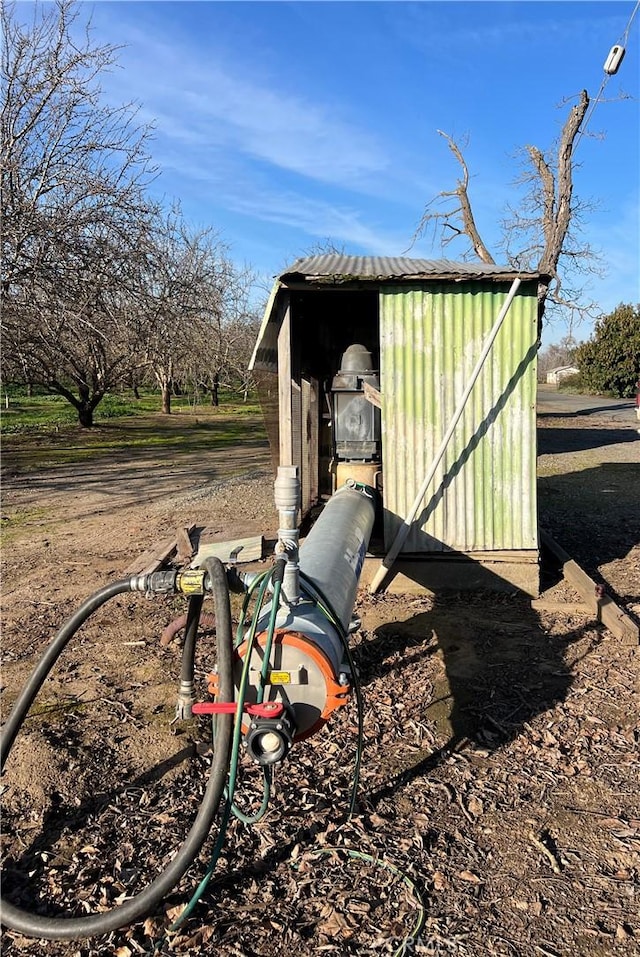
554,376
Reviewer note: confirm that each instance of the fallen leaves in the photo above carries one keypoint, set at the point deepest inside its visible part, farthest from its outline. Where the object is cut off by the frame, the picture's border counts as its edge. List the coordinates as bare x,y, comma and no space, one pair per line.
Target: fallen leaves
478,832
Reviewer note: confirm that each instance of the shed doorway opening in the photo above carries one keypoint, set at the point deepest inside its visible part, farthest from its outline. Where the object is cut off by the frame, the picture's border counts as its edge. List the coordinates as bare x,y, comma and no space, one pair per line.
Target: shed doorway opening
324,323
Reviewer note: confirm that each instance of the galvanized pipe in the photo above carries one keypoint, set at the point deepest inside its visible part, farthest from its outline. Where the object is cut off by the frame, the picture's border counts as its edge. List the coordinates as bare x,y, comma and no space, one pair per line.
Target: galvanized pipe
287,498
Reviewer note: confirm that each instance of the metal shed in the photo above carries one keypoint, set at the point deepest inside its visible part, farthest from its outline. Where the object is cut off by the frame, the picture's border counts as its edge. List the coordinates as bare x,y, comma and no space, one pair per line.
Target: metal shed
425,325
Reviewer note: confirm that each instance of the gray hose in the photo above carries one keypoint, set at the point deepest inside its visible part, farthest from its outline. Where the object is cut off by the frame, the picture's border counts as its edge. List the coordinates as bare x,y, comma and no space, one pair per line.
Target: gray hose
69,928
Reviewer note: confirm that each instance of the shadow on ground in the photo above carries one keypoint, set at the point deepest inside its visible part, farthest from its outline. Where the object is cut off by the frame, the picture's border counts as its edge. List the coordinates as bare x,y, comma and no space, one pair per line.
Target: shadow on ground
572,507
555,441
483,666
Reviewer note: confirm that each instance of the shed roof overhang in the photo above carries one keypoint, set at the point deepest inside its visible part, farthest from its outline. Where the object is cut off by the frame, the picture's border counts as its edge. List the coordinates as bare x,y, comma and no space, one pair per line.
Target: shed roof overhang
333,271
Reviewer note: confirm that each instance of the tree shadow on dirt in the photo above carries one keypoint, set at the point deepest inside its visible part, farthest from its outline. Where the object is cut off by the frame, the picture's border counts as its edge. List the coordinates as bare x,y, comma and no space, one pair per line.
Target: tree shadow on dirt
130,485
572,508
483,667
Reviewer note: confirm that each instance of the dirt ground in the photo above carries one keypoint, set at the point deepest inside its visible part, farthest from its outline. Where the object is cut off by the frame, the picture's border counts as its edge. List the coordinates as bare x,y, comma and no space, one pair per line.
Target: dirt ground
499,789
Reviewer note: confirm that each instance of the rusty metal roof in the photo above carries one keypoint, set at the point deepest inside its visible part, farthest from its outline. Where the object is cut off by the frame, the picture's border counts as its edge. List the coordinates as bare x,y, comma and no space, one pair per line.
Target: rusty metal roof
336,270
339,268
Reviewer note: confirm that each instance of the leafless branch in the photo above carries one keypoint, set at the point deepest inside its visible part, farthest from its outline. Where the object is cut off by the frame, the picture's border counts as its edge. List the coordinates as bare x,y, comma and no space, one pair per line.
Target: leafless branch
463,210
539,232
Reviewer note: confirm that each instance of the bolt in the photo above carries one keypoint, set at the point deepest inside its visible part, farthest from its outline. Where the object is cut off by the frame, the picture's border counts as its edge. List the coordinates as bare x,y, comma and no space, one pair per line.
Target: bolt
278,727
343,678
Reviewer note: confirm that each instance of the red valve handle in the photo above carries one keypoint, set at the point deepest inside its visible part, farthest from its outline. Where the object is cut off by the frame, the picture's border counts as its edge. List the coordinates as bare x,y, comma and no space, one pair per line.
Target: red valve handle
269,709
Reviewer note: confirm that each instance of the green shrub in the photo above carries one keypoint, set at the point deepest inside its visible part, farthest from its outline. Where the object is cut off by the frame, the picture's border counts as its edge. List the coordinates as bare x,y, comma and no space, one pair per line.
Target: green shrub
610,360
113,406
571,383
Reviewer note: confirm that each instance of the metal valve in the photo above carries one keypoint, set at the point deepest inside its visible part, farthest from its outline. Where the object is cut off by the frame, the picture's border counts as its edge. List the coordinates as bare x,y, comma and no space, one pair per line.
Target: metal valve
269,740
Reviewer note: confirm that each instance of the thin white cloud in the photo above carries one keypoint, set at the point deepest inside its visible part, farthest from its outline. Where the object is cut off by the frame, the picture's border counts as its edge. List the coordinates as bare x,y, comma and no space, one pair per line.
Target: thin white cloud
437,27
214,105
234,137
316,218
286,131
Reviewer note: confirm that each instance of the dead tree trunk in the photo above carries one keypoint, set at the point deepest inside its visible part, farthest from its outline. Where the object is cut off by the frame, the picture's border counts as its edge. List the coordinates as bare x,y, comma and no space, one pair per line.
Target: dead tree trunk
551,196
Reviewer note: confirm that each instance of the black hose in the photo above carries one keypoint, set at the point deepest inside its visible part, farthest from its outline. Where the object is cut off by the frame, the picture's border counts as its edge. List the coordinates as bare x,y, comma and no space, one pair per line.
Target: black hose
69,928
48,660
190,633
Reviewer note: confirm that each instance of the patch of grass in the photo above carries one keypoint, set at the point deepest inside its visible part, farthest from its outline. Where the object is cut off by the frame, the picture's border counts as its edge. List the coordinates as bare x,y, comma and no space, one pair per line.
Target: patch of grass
44,412
147,434
18,524
36,413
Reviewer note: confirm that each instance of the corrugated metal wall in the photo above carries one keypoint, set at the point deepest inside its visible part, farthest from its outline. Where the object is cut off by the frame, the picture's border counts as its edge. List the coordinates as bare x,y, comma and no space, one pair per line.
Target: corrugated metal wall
483,496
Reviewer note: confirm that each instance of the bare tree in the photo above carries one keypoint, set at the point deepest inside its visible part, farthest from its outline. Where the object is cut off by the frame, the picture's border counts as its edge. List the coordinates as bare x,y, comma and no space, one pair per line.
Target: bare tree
78,341
542,231
240,328
181,300
220,357
71,164
562,353
74,171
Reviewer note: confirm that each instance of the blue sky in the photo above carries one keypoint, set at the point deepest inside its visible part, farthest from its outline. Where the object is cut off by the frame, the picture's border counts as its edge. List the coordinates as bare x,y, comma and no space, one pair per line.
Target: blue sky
283,124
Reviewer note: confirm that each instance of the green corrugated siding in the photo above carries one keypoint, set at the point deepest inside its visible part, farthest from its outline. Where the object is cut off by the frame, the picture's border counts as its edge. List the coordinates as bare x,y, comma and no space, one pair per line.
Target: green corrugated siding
483,496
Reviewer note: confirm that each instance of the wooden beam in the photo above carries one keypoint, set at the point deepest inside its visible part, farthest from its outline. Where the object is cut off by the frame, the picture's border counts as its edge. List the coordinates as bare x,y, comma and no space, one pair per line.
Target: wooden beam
372,395
601,605
315,413
153,559
184,544
156,556
237,550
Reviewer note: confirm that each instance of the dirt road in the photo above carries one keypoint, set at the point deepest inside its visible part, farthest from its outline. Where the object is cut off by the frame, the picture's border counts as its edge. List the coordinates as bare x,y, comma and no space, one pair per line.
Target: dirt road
552,402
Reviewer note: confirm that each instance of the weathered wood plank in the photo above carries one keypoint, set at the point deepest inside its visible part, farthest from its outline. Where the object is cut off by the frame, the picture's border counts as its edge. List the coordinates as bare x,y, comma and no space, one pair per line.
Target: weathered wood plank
601,605
237,550
156,556
184,543
372,395
153,558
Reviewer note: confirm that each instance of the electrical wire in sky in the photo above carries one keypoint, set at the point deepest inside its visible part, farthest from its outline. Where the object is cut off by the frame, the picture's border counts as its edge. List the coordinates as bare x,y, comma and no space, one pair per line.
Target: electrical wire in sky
607,76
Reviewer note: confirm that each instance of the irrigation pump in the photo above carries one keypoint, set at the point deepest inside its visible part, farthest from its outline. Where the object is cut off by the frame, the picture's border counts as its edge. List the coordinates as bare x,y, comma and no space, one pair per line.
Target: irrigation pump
300,663
277,683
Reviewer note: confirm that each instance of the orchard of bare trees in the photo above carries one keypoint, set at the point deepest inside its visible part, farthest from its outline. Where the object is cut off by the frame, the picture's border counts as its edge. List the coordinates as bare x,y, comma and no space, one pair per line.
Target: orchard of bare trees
100,286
